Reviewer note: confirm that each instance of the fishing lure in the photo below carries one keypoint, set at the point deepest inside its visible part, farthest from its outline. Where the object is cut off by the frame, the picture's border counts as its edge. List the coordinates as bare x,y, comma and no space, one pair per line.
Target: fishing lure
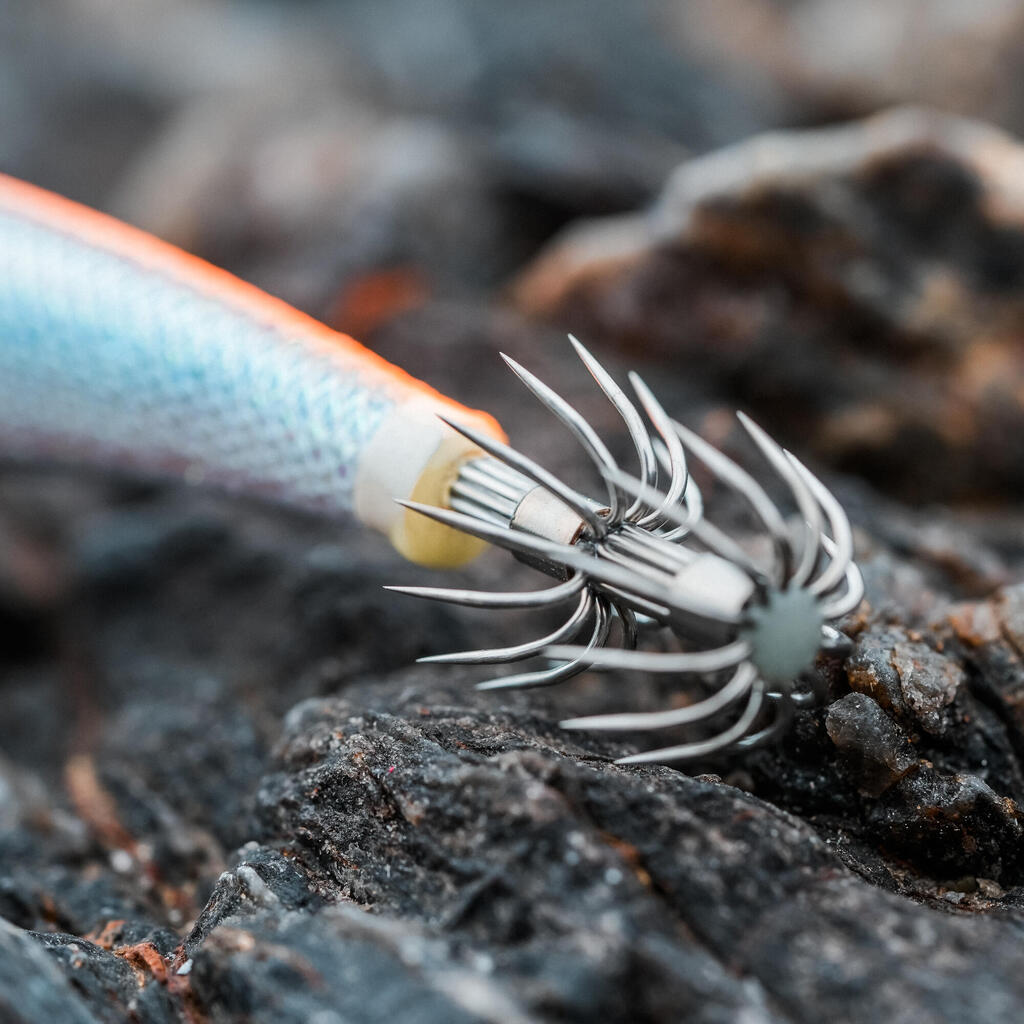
118,348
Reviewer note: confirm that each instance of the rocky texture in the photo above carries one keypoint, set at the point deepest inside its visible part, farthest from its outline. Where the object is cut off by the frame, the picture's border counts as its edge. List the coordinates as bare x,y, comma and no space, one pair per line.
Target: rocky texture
251,806
857,285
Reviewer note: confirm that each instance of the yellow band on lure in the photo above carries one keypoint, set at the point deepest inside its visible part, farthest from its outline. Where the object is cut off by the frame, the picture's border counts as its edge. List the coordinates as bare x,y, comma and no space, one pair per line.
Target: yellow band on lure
414,455
423,540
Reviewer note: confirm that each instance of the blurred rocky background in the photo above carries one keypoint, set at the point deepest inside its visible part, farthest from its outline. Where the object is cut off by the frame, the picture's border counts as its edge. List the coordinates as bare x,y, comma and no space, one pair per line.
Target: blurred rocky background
226,791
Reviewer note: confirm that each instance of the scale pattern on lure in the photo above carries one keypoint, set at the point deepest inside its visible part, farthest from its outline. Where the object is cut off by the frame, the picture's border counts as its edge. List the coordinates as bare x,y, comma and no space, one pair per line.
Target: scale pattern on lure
200,379
649,555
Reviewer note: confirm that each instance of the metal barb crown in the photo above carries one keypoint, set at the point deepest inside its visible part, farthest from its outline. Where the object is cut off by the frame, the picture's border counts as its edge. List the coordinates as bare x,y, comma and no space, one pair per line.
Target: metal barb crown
647,555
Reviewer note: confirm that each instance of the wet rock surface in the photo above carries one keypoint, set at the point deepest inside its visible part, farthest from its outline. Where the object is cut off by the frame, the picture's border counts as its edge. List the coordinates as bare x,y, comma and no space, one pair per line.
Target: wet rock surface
228,793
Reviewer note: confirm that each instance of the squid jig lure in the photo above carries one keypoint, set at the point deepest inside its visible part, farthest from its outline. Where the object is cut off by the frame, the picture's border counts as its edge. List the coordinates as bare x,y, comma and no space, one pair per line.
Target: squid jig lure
649,556
120,349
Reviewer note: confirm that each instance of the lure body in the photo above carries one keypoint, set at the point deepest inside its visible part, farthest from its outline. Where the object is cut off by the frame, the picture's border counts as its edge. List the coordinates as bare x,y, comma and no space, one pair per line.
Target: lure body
119,349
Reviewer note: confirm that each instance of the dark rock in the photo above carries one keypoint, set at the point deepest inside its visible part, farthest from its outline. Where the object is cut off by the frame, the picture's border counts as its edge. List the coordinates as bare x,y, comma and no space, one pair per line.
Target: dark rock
586,845
341,965
32,987
839,281
908,678
190,856
951,825
263,879
129,981
861,729
929,683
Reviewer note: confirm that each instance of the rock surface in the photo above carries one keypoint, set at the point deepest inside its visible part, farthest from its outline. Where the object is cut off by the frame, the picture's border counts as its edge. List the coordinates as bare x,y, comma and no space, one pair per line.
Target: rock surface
858,285
229,795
